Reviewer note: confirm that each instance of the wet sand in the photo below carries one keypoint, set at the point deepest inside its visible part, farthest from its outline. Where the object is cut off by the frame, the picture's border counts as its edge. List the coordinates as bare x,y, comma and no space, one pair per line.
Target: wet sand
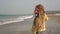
53,26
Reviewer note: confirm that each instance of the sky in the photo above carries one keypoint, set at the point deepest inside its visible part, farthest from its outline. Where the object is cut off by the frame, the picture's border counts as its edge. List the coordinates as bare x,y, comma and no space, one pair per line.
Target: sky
27,6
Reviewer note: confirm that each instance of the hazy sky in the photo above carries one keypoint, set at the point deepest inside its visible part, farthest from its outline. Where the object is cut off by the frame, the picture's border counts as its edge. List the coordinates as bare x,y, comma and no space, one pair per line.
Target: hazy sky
26,6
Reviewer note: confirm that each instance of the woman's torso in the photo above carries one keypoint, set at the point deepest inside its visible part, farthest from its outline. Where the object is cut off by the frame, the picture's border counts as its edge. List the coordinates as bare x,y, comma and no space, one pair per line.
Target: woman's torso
40,23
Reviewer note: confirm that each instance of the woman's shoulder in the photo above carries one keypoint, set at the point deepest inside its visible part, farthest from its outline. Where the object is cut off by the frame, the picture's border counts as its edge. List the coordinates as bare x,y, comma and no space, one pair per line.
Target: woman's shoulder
46,16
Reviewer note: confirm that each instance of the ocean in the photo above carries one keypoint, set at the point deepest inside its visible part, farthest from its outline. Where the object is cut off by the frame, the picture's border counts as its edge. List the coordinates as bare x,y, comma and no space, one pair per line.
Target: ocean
22,24
6,19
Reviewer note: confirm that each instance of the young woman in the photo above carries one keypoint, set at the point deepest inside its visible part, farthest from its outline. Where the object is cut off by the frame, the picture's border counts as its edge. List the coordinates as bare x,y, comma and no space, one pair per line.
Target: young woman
40,20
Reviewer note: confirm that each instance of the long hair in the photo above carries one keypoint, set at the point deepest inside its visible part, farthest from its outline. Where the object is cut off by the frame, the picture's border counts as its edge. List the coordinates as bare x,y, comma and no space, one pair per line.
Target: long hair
38,22
41,8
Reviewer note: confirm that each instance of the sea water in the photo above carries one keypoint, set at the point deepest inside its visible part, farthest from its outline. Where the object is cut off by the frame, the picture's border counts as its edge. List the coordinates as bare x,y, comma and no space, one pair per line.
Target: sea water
6,19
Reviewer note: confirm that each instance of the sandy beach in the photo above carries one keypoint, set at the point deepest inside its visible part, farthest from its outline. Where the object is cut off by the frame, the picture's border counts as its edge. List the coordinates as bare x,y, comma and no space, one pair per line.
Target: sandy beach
24,27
